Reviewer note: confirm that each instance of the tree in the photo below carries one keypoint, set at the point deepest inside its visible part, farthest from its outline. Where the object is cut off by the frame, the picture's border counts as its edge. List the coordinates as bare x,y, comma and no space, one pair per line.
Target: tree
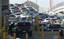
36,24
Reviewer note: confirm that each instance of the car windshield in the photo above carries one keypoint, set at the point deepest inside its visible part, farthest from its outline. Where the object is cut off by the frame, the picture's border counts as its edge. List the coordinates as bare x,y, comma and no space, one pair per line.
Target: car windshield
62,17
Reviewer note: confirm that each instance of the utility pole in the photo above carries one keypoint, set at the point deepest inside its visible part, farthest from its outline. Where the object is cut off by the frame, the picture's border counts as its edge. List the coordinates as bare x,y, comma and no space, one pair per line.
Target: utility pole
28,0
36,1
50,4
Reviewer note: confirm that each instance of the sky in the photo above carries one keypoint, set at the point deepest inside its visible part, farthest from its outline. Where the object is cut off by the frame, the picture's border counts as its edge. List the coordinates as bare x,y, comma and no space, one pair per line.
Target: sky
44,4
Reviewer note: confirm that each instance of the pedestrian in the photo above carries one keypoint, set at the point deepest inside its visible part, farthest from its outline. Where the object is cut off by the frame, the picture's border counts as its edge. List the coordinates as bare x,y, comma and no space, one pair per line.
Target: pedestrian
61,34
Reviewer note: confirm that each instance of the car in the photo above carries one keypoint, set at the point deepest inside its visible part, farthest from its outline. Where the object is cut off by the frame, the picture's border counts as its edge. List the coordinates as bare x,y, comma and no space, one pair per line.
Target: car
24,25
44,21
53,27
20,29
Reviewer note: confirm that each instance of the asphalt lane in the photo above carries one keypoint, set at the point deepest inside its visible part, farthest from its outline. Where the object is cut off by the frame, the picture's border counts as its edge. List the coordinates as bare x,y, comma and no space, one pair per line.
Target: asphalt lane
36,35
47,35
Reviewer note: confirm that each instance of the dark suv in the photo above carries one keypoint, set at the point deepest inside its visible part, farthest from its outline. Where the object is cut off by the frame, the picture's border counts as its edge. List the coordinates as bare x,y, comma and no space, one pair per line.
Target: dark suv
24,27
53,27
21,29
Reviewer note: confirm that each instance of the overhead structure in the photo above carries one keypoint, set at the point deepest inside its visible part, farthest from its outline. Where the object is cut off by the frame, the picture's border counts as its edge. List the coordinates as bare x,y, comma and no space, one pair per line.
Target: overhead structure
59,9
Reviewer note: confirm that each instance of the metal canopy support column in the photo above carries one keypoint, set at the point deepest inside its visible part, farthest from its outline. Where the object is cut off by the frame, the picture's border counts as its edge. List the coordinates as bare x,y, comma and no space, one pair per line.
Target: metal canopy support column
0,14
5,4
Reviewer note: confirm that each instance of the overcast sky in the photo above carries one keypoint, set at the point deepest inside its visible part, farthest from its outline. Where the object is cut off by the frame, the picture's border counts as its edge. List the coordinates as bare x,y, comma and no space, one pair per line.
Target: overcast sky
44,4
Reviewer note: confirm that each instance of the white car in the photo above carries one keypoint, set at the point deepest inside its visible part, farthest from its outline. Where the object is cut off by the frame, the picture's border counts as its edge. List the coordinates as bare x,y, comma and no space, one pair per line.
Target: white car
45,21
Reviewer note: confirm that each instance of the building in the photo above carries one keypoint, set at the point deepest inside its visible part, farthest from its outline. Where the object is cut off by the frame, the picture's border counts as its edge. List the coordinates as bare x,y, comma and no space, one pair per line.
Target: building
32,4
